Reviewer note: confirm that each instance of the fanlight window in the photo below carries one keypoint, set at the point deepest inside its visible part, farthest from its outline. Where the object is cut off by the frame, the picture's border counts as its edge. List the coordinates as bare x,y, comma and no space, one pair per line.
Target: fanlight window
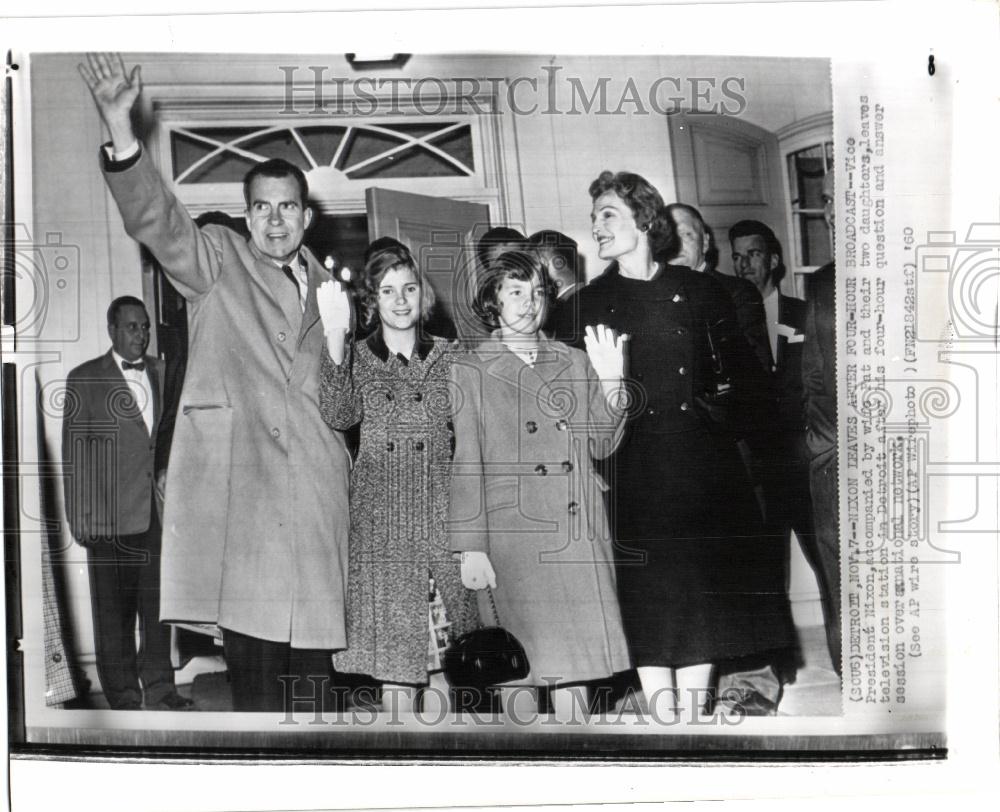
360,152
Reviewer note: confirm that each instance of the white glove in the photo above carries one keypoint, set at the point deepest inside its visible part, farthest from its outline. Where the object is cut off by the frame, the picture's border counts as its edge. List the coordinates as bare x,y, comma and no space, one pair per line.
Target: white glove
334,306
606,350
477,571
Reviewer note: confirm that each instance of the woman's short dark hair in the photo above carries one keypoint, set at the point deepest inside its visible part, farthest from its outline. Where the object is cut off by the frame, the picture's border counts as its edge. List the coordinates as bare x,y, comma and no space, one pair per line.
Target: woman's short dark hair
520,265
383,255
646,205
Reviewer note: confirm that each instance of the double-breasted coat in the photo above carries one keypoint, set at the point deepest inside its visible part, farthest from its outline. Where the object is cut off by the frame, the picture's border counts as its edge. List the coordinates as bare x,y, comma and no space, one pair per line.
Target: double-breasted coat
524,491
256,515
699,579
399,505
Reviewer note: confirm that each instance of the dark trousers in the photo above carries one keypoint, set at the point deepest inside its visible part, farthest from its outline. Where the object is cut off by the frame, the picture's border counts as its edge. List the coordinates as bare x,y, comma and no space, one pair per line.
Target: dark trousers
265,676
124,585
824,551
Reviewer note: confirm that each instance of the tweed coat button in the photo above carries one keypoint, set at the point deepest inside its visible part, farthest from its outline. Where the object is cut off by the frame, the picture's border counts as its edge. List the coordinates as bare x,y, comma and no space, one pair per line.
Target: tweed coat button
541,470
419,396
573,508
390,446
562,425
388,395
567,466
531,426
419,445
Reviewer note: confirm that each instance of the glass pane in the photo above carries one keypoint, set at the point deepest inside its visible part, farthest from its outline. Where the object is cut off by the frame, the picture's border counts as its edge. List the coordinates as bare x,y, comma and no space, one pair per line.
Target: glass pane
322,142
278,144
226,167
815,240
413,161
807,171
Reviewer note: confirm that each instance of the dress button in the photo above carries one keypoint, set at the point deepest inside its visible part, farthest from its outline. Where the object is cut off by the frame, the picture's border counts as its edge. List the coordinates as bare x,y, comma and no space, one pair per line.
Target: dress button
531,426
677,298
638,376
611,308
679,331
682,371
275,432
567,466
573,508
418,445
390,446
418,397
684,406
541,470
562,425
650,411
281,336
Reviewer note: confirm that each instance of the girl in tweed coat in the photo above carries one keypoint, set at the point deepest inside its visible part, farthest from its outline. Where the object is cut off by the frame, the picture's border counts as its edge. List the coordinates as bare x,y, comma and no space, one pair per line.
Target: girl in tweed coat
396,386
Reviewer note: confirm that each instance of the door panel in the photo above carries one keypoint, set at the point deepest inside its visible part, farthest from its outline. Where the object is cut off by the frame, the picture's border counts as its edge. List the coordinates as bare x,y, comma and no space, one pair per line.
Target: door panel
441,233
729,170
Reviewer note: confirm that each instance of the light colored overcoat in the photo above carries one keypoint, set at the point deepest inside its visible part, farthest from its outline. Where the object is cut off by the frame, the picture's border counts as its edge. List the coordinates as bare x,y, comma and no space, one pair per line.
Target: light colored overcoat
256,515
524,490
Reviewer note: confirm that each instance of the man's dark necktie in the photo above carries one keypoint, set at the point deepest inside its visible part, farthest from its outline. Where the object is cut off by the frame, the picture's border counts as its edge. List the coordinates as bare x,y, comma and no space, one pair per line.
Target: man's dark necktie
287,270
139,366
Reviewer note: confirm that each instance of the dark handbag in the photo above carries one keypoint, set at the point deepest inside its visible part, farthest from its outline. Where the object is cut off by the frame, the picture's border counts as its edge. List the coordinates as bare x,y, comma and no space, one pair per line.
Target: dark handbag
485,657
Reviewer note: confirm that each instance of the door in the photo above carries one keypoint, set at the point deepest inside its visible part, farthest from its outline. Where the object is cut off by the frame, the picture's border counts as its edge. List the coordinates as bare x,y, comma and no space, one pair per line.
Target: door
442,234
730,170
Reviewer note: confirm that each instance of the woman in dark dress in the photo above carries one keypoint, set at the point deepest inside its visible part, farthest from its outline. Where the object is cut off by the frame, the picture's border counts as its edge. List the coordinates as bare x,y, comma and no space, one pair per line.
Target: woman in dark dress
694,568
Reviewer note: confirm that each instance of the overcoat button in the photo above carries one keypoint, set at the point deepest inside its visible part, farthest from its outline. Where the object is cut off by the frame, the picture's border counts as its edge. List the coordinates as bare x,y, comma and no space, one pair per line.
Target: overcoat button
531,426
567,466
275,432
684,406
390,446
281,336
418,445
541,470
574,508
562,425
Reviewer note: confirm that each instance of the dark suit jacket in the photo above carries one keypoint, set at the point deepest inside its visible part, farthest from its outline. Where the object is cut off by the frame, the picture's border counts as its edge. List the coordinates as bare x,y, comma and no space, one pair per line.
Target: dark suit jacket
749,313
786,368
107,450
819,372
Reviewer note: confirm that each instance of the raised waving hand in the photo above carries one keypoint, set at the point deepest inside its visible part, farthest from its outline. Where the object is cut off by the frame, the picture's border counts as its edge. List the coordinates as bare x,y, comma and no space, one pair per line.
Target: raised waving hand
114,92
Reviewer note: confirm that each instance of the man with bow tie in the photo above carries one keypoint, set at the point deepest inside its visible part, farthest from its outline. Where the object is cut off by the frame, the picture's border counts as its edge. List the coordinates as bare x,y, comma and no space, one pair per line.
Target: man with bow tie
256,505
112,408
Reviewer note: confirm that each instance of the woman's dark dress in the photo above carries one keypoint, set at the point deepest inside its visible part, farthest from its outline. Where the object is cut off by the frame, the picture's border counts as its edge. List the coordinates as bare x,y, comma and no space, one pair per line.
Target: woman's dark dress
698,580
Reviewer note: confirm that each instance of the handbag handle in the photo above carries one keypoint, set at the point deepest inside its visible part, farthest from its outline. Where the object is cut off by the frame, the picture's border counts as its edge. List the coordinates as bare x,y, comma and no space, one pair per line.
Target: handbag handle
493,605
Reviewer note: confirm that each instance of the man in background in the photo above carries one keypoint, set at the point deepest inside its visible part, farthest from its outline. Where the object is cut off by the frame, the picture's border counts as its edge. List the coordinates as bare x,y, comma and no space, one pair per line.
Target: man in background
113,405
562,259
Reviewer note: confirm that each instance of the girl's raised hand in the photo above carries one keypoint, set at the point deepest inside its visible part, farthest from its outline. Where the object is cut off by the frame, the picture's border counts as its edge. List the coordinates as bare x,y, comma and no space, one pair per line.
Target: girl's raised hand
606,350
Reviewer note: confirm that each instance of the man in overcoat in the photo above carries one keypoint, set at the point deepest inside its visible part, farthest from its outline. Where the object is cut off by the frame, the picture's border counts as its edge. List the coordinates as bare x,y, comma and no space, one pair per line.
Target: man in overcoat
256,506
112,407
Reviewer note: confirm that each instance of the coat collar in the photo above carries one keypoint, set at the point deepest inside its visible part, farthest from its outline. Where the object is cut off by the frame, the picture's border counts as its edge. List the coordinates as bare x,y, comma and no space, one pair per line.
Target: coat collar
376,343
553,359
